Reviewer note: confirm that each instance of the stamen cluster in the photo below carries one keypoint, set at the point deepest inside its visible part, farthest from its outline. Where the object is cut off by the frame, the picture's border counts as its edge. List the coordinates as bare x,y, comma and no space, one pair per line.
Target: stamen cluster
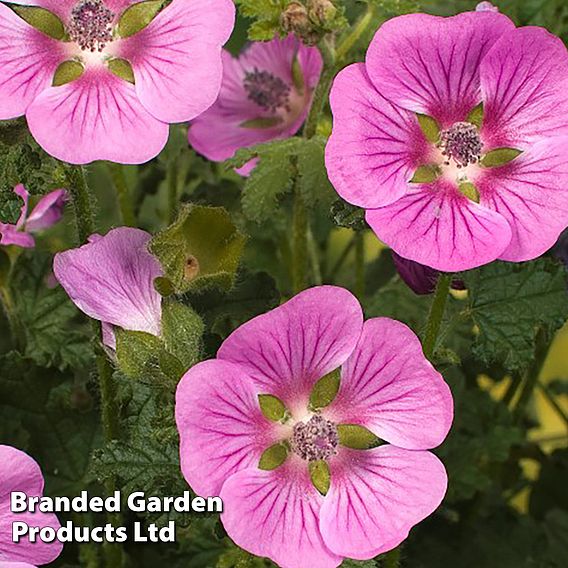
461,143
316,439
90,25
266,90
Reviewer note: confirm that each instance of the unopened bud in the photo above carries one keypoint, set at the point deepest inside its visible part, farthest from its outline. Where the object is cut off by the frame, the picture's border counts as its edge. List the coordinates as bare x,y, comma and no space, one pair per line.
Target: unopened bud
321,12
295,19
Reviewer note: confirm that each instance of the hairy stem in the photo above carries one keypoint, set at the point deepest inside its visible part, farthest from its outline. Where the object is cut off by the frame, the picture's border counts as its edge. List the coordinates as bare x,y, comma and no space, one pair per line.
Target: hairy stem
436,314
299,244
16,329
359,265
122,193
172,191
358,30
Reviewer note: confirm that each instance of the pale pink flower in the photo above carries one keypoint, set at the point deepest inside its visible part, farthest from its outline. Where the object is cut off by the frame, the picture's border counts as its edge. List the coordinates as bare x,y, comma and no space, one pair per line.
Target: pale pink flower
46,213
386,386
176,62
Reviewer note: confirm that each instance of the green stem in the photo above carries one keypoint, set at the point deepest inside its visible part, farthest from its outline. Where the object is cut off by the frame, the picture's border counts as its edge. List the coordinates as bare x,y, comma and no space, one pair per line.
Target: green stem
16,330
314,258
84,216
172,191
392,558
436,314
299,244
322,90
531,378
358,30
553,402
342,258
122,193
359,265
511,391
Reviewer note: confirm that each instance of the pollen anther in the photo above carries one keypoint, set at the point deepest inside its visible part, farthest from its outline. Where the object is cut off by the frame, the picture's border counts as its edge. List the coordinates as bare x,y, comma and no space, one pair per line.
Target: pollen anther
266,90
90,25
316,439
461,143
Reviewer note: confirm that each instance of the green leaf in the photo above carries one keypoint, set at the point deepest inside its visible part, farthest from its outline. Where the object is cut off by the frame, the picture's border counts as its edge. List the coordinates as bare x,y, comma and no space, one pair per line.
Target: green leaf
265,15
470,191
137,352
425,174
138,16
273,457
499,157
476,116
122,68
348,216
357,437
182,331
41,19
261,123
320,475
66,72
272,407
313,182
509,302
325,390
429,127
201,249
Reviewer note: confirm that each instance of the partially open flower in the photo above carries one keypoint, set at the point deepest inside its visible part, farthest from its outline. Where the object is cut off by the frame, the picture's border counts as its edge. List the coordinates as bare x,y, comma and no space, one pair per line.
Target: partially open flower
266,94
453,135
111,279
313,427
46,213
98,91
19,472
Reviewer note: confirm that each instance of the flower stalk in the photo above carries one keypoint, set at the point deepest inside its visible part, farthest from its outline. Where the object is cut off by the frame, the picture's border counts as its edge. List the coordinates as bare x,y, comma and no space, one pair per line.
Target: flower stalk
357,32
124,198
436,314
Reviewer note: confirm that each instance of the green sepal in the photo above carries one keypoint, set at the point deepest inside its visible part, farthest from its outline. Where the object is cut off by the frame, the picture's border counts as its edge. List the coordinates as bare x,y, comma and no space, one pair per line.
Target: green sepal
273,457
138,16
298,76
357,437
500,157
122,68
475,117
429,127
66,72
263,122
42,20
470,191
272,407
325,390
426,174
164,286
320,476
182,330
201,249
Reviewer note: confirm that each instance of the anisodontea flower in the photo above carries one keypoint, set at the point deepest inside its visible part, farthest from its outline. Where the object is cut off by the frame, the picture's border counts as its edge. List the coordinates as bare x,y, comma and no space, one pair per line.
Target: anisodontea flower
453,135
111,279
266,94
46,213
19,472
313,427
94,95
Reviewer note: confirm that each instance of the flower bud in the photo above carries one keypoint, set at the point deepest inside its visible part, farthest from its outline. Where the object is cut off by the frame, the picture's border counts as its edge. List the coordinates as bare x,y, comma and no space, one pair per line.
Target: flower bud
295,19
321,12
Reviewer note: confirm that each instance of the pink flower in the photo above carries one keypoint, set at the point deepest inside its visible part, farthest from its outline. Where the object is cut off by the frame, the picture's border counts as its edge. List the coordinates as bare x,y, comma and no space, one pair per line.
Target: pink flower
100,116
387,386
111,279
19,472
265,95
456,212
46,213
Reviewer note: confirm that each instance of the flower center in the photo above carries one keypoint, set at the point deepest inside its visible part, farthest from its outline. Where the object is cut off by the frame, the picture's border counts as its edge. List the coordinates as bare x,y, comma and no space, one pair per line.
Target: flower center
267,91
90,25
461,143
316,439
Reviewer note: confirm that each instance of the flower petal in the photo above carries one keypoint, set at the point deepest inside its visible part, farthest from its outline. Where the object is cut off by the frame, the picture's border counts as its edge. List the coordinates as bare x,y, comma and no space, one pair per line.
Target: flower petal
28,60
112,280
532,194
276,514
377,496
96,117
48,211
23,194
375,147
10,235
219,419
19,472
291,347
388,386
524,80
437,226
177,58
430,65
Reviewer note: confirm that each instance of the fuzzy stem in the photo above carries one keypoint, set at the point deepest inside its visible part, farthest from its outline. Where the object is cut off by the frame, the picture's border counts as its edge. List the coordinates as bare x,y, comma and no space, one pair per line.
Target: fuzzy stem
299,244
17,331
359,265
172,191
122,193
314,258
358,30
436,314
